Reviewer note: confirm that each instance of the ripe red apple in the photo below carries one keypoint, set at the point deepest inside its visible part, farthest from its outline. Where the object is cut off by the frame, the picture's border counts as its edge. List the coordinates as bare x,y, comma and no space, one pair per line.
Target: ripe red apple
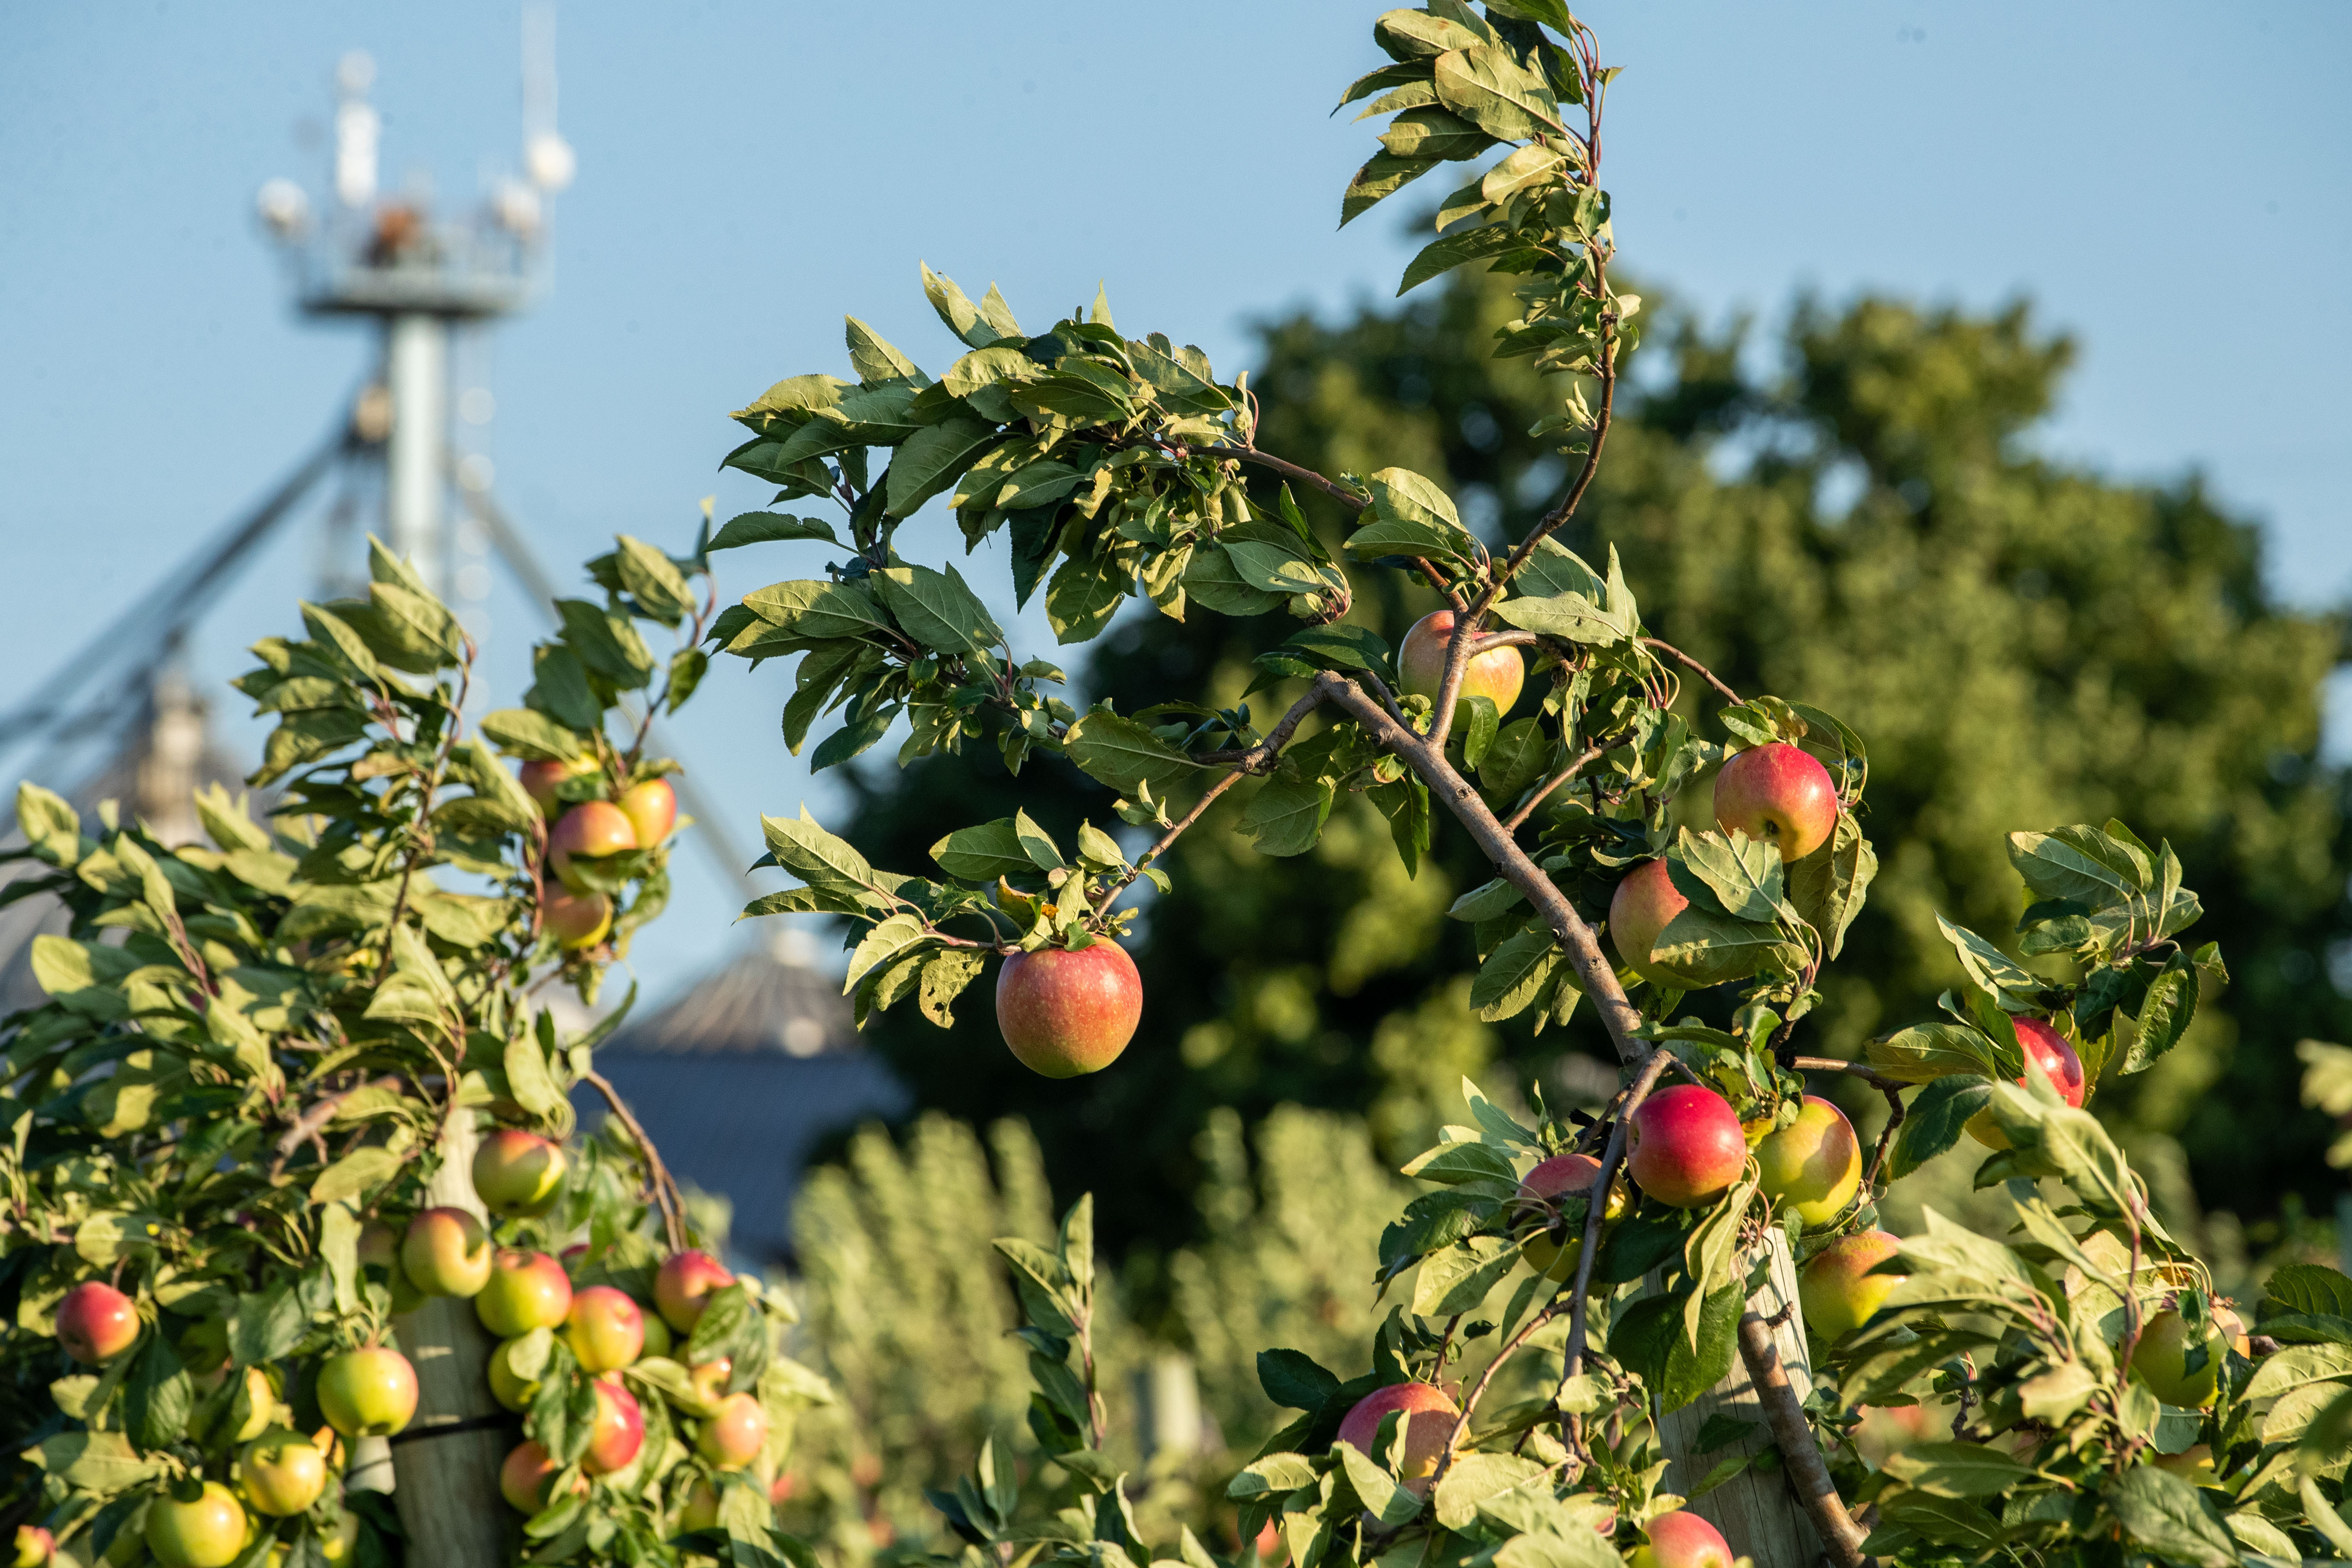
618,1433
1534,1215
2045,1048
1686,1147
518,1173
1429,1418
709,1379
527,1290
445,1253
526,1477
605,1329
2160,1359
368,1392
701,1509
282,1473
1066,1014
209,1532
508,1386
683,1287
1814,1162
732,1438
1837,1288
1682,1540
1496,673
651,808
34,1546
593,827
780,1491
1643,905
1778,792
541,779
96,1323
576,921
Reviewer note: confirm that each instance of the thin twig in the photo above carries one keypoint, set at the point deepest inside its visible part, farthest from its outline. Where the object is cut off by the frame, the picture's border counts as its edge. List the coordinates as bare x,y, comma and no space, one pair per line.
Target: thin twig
1511,822
666,1192
1705,673
306,1127
1249,760
1597,1205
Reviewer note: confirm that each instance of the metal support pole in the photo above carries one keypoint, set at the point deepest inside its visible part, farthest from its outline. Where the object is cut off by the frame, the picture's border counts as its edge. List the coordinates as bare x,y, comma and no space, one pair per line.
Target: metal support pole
416,367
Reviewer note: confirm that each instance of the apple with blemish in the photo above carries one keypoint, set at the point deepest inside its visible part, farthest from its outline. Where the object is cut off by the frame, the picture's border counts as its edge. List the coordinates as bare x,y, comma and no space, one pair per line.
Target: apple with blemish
282,1473
1427,1415
527,1290
682,1288
617,1432
1645,902
606,1328
1493,673
2048,1049
576,921
1780,794
445,1253
96,1323
1813,1164
732,1438
541,779
652,809
1066,1014
518,1173
1682,1540
369,1393
1837,1288
593,828
1685,1148
208,1531
1554,1254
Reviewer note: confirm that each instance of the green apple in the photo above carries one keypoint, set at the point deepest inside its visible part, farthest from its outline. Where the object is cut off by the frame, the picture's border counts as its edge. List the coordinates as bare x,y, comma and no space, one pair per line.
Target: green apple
36,1546
576,921
282,1473
508,1386
369,1393
700,1510
651,809
2160,1359
208,1532
593,828
526,1478
519,1172
445,1253
527,1290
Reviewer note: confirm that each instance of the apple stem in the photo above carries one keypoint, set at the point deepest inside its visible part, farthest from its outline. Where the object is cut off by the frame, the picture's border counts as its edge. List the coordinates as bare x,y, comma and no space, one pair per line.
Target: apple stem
1705,674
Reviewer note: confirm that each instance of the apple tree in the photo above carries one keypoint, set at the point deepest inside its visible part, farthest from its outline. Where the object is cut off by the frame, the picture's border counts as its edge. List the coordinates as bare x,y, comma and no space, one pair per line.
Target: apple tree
1572,1296
288,1146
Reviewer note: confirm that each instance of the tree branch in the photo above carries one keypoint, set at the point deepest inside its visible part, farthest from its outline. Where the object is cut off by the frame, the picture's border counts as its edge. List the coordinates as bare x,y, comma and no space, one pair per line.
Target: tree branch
1728,694
312,1122
1511,822
1800,1455
1597,1205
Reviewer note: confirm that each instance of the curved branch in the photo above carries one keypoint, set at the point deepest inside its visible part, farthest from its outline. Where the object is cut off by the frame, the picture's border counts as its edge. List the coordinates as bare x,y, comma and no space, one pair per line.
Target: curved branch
1511,822
1706,674
665,1193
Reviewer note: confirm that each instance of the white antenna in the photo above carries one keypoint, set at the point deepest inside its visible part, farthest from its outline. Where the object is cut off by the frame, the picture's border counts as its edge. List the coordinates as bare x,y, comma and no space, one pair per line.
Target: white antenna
357,126
545,155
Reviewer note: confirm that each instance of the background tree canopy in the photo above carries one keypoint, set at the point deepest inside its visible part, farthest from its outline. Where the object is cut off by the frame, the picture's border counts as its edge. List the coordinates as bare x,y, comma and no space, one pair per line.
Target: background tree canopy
2018,641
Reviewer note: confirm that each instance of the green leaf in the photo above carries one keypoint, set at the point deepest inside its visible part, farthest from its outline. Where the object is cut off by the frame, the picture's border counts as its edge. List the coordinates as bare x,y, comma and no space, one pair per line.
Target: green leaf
560,688
1991,968
1084,595
938,609
1515,973
1934,1123
1447,252
1271,559
961,316
944,976
1287,816
358,1172
1422,35
2310,1288
606,643
1711,948
158,1396
1828,886
653,581
1122,753
1487,87
519,732
1383,176
874,359
1480,721
1456,1162
763,527
889,941
1486,901
1273,1474
1341,645
2165,1015
1461,1276
984,852
814,610
1569,616
2079,863
99,1462
50,826
1390,1503
1292,1380
828,864
1212,578
1745,873
1473,1478
1957,1469
933,459
2170,1519
2296,1366
1932,1050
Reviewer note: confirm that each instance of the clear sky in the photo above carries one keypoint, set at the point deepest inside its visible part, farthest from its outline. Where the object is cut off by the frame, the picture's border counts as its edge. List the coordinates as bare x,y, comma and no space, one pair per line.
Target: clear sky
2167,181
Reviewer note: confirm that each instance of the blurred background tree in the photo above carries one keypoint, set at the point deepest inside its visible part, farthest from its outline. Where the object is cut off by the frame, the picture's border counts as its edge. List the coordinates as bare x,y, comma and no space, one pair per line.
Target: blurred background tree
1859,522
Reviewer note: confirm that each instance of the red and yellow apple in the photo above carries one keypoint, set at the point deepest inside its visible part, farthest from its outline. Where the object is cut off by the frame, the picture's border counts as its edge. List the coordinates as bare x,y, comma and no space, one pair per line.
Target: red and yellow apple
1494,673
445,1253
1065,1012
682,1286
1643,905
709,1378
1780,794
593,829
1814,1163
527,1475
1685,1148
1428,1417
527,1290
208,1532
576,921
282,1473
2160,1359
606,1328
541,779
651,809
96,1323
34,1546
732,1438
518,1173
2048,1049
1837,1288
1538,1210
618,1431
1682,1540
369,1393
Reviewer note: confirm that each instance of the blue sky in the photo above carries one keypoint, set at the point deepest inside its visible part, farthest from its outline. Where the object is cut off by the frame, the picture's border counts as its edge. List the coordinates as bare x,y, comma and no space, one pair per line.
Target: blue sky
2169,182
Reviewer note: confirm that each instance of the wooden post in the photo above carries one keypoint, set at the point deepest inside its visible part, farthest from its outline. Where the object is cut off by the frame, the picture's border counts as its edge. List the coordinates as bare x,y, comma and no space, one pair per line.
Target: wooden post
448,1482
1756,1511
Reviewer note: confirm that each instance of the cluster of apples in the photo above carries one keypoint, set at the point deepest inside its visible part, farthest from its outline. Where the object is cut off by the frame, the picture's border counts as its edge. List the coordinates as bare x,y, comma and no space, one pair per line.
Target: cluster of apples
1429,1416
577,914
